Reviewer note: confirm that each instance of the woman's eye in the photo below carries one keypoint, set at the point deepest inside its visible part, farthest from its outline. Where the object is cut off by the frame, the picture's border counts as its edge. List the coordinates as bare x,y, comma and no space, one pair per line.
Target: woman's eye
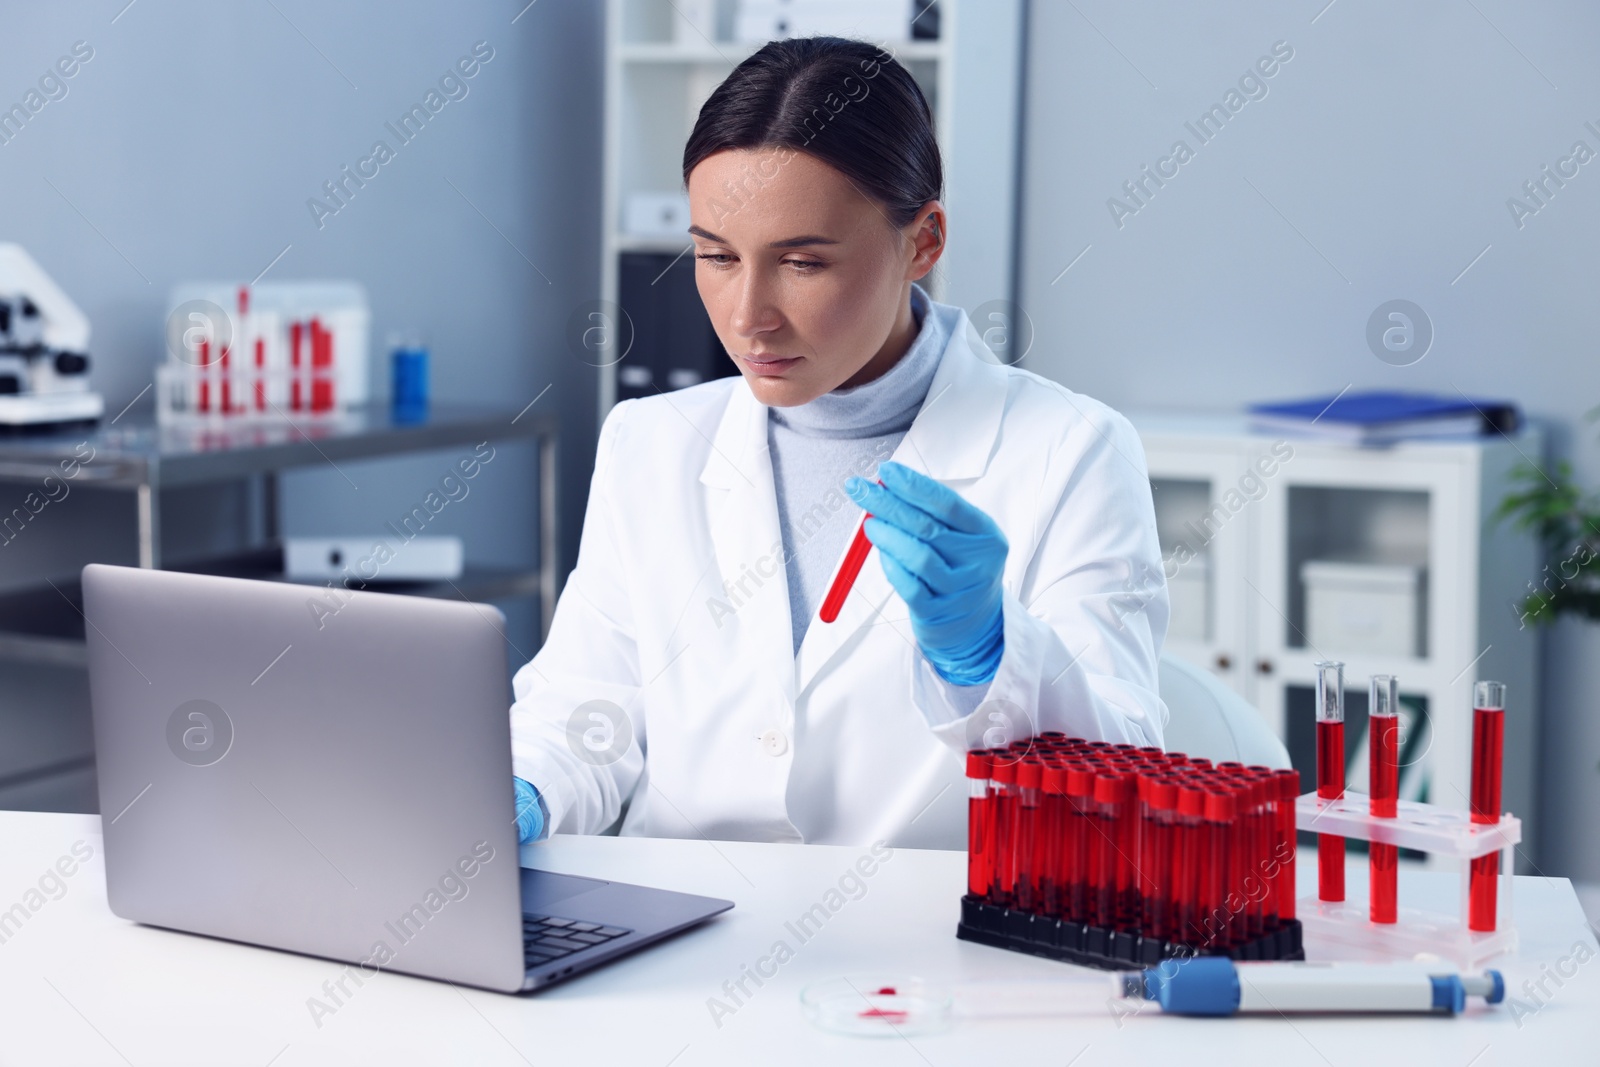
807,265
717,259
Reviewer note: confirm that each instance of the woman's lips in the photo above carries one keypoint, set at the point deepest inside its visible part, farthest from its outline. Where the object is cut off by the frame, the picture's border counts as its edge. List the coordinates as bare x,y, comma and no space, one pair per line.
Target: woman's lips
769,365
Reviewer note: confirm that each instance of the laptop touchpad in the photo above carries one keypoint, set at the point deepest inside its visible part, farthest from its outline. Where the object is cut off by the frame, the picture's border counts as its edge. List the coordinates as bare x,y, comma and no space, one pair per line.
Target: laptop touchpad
540,889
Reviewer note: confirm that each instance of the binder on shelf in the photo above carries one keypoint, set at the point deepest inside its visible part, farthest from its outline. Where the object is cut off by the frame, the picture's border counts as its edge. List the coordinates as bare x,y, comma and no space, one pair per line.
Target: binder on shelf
674,345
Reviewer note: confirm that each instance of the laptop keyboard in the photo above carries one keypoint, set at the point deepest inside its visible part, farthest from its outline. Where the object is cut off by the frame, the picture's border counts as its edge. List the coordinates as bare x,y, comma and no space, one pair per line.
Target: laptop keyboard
546,938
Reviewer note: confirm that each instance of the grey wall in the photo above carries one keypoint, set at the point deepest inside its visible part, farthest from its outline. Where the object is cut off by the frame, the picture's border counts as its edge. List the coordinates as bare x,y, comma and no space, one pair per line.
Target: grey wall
1377,166
188,147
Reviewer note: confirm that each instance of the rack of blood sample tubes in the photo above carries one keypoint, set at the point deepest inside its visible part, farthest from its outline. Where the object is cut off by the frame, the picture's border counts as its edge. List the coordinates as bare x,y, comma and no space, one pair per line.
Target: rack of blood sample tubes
1114,855
1482,838
303,356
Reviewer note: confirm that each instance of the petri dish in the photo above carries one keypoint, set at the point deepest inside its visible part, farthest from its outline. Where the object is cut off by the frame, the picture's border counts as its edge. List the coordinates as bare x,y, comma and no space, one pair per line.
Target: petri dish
877,1006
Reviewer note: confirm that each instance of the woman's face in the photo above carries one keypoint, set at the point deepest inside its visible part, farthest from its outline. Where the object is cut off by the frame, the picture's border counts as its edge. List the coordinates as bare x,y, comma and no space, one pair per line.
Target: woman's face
803,277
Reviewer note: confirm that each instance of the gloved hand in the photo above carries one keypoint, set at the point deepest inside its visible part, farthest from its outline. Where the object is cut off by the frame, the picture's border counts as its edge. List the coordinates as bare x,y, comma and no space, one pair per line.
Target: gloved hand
945,559
530,811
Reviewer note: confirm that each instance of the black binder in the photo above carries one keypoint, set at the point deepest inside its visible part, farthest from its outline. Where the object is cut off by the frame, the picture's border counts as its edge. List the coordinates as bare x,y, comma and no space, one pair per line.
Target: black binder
674,345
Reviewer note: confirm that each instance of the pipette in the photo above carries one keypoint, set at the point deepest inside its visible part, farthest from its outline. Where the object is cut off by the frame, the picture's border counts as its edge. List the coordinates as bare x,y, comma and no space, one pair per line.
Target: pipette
881,1006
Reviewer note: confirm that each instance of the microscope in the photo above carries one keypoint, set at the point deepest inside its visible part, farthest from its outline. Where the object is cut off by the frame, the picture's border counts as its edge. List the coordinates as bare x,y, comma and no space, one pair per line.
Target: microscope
44,360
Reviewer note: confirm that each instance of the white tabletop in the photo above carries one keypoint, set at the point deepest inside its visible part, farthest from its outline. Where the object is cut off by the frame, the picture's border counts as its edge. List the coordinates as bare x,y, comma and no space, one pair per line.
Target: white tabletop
78,985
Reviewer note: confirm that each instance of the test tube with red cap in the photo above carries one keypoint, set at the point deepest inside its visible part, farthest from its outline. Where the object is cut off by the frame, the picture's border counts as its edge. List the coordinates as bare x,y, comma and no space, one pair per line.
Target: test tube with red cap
1330,774
1079,856
1218,863
1263,883
1188,863
1383,789
1003,779
296,340
1488,750
980,829
1288,782
1158,795
1030,777
1054,819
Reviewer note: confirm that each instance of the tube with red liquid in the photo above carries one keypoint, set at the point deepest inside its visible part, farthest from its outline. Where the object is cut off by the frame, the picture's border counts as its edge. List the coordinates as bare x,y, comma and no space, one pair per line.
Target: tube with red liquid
1383,774
1284,842
980,831
1025,890
1330,774
1053,821
849,569
1003,775
1488,749
1187,864
1078,874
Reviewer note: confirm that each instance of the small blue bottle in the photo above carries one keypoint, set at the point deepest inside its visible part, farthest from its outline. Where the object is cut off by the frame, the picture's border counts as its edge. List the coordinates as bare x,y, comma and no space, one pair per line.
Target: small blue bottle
409,362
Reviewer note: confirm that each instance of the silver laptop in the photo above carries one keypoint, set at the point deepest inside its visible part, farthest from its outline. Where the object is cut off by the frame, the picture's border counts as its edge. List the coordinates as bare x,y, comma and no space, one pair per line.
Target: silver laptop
329,772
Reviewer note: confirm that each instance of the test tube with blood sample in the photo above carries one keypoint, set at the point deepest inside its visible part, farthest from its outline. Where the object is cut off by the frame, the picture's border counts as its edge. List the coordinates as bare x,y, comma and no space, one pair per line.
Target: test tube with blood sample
1330,774
1488,748
980,831
1383,789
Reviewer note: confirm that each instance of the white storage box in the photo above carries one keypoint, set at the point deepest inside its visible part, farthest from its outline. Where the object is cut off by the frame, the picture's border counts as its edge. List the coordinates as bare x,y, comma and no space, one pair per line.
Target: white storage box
372,559
1189,592
1364,607
759,21
647,214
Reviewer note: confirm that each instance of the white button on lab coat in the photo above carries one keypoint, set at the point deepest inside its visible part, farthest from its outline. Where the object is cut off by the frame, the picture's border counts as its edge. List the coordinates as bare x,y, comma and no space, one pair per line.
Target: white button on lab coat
677,613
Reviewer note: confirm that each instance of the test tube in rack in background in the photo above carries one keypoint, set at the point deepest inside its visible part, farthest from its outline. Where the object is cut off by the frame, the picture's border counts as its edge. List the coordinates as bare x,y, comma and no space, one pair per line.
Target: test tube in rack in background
1383,767
1330,774
1488,748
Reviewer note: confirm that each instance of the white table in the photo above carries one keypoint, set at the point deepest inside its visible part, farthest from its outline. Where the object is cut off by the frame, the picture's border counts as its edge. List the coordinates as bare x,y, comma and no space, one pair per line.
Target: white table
78,985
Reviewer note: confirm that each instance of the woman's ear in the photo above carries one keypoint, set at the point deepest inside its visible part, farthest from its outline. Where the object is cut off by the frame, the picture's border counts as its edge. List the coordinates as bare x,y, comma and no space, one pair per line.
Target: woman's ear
929,238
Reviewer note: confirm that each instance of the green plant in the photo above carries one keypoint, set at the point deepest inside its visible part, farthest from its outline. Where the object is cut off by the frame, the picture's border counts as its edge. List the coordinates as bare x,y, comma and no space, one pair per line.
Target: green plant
1568,526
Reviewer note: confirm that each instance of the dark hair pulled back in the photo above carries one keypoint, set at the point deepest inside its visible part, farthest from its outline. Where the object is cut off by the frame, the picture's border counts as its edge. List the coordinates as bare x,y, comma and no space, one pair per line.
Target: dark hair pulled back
845,102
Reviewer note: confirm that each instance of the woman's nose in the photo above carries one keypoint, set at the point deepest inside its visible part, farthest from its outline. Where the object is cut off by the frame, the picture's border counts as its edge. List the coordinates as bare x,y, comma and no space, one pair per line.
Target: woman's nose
753,310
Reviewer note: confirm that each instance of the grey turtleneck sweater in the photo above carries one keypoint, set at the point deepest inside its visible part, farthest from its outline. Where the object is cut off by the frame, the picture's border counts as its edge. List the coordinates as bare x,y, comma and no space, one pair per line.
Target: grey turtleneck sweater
817,446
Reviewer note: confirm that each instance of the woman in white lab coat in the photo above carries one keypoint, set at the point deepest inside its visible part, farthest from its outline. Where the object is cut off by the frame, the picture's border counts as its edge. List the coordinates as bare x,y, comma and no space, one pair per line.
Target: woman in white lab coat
1015,583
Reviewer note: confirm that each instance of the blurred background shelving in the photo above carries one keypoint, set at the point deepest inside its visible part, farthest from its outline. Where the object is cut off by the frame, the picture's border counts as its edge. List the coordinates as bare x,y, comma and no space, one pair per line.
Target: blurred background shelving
1306,549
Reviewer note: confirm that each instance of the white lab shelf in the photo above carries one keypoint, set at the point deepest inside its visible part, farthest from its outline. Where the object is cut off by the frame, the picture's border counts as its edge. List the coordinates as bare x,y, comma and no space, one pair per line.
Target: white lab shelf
1424,504
658,73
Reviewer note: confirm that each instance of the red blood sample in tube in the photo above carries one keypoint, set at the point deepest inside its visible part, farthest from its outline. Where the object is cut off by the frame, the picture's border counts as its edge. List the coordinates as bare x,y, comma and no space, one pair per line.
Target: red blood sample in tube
321,367
1079,873
1025,890
223,362
1330,774
1054,819
1003,776
1218,886
204,402
980,831
1488,749
849,569
1106,826
1284,845
296,335
1383,774
1187,865
1155,851
261,384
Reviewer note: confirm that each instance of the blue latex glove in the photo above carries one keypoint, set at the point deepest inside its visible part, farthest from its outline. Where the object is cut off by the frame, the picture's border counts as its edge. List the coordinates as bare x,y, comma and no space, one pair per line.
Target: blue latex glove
531,812
945,559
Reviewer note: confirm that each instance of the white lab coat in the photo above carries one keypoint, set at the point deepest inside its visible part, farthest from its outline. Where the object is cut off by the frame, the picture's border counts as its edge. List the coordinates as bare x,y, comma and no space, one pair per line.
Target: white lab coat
678,613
